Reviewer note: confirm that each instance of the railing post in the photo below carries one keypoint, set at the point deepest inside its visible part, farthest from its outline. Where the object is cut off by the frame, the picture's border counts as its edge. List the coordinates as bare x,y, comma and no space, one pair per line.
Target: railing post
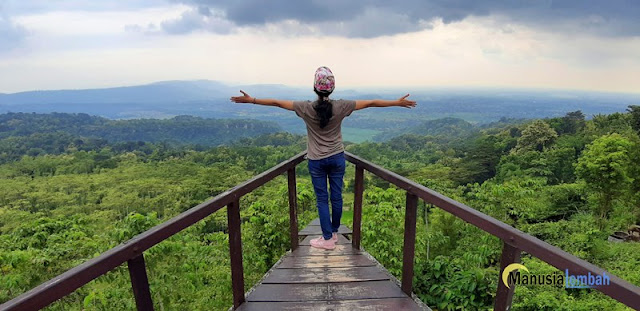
504,295
140,283
357,207
293,207
235,252
409,243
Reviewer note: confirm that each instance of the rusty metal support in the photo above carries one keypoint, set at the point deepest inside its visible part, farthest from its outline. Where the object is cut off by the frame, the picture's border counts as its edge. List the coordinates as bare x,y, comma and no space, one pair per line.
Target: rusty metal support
504,295
140,283
408,252
235,252
293,207
358,192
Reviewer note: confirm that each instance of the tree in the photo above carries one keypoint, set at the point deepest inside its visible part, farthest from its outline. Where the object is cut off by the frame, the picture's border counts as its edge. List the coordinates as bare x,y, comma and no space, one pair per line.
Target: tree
573,122
479,163
611,123
634,110
536,136
605,166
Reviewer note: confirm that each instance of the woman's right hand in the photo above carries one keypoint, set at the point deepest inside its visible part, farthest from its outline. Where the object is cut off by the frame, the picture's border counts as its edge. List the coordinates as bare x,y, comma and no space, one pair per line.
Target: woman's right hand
242,99
404,102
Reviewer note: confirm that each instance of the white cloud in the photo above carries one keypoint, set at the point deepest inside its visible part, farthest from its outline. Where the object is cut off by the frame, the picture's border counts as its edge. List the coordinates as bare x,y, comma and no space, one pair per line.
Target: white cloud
77,22
28,7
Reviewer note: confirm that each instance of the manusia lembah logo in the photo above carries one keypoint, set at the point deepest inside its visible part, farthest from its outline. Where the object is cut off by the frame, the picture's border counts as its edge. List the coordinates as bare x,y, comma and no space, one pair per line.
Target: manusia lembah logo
511,275
507,272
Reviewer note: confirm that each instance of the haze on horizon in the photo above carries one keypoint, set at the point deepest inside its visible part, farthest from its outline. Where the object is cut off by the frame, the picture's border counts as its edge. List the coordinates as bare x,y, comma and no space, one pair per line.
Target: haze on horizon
77,44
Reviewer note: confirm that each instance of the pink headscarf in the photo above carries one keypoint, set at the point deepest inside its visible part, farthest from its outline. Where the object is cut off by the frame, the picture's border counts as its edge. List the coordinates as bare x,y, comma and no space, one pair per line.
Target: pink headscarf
324,80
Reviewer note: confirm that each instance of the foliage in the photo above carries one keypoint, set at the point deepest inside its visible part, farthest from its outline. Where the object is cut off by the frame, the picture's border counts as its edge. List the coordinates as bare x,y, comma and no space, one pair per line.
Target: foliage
57,132
605,166
571,123
535,137
438,127
448,285
67,197
57,211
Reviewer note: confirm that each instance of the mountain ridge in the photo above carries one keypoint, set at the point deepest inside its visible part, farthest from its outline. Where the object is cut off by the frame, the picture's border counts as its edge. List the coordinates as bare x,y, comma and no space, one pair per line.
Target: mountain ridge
210,99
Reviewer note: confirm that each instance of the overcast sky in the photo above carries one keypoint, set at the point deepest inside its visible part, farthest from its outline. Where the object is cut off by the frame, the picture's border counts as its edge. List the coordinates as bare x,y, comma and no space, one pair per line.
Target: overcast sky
571,44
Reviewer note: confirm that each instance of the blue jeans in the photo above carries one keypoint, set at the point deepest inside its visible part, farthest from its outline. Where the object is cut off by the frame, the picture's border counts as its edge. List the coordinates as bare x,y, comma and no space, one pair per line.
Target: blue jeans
332,168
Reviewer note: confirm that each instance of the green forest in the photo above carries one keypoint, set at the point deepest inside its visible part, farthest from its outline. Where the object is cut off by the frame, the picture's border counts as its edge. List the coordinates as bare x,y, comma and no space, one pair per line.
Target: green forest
74,186
39,134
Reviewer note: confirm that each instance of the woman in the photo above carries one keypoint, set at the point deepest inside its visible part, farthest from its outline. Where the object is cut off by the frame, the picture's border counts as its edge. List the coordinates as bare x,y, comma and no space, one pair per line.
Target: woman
325,150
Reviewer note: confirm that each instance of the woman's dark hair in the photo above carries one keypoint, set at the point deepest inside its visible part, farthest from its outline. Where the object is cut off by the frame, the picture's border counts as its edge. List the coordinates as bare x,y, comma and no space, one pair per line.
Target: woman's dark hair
324,108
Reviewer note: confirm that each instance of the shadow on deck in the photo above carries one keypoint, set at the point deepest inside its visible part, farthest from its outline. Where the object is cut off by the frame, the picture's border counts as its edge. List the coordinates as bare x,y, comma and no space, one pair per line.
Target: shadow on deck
344,278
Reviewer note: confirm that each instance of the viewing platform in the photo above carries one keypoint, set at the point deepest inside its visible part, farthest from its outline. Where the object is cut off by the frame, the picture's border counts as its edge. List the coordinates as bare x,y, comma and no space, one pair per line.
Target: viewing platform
344,278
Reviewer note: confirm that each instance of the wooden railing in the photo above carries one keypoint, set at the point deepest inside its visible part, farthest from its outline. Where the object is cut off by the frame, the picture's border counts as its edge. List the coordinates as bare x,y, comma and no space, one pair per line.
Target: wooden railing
132,251
514,241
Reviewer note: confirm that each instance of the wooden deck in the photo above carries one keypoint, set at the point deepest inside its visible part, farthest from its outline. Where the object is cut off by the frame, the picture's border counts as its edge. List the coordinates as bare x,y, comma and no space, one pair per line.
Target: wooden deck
340,279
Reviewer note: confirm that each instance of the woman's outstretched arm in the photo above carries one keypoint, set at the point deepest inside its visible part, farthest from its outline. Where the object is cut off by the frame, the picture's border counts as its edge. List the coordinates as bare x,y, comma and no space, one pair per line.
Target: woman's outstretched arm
245,98
400,102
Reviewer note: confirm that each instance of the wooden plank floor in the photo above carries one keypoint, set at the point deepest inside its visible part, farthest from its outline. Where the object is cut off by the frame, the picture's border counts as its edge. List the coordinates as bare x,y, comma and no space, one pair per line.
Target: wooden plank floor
315,279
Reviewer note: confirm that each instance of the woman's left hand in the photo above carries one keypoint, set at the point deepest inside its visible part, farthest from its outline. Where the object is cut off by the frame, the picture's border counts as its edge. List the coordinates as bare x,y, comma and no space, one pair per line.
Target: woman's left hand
404,102
245,98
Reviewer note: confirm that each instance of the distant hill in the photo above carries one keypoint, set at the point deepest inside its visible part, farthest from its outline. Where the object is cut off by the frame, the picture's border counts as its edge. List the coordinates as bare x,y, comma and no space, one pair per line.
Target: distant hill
164,99
160,92
210,99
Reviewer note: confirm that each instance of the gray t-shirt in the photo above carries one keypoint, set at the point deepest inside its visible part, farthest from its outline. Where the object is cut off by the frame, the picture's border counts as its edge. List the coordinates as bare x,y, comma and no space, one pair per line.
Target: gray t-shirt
325,142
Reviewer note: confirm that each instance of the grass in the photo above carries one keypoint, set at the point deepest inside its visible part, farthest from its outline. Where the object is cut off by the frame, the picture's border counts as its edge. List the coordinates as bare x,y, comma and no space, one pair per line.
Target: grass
347,218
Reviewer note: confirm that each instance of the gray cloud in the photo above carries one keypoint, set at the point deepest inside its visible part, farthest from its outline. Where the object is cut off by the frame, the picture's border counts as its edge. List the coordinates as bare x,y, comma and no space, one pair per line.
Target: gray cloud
373,18
199,18
362,18
11,34
373,22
